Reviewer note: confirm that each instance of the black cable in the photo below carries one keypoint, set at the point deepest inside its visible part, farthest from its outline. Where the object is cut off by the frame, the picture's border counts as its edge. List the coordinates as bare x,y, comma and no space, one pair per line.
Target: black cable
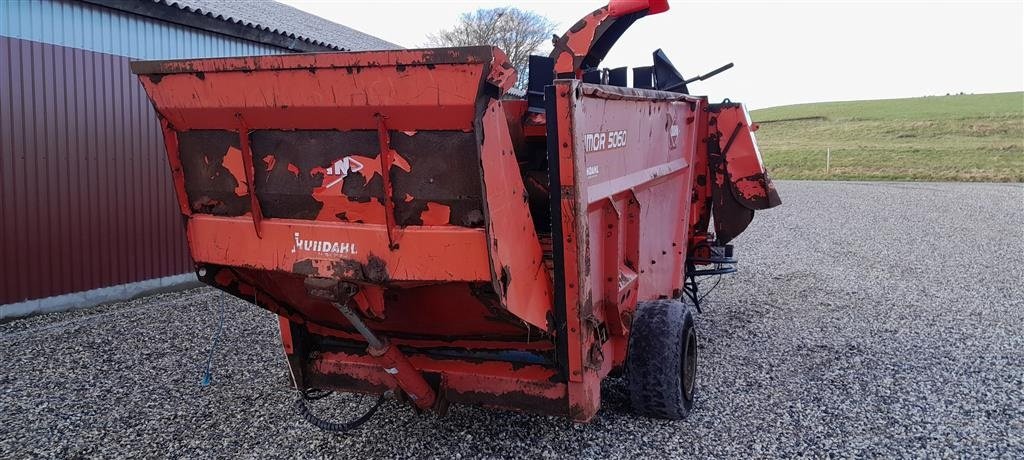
337,427
719,280
313,394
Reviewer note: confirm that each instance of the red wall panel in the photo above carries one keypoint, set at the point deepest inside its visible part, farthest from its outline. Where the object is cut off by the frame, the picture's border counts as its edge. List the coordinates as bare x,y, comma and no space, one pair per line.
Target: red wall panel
86,199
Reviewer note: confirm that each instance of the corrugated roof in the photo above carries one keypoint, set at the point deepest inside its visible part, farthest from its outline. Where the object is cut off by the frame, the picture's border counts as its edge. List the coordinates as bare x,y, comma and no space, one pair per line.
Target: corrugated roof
281,19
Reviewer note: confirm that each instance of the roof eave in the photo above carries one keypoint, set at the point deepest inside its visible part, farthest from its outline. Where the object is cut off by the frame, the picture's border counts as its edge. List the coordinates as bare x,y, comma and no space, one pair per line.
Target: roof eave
189,18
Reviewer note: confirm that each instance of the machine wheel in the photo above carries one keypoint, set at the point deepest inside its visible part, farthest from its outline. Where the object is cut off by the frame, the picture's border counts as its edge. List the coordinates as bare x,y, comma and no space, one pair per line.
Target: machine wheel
661,363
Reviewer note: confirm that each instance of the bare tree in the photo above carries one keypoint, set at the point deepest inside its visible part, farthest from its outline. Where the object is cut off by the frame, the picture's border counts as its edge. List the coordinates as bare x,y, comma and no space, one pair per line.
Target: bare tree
517,32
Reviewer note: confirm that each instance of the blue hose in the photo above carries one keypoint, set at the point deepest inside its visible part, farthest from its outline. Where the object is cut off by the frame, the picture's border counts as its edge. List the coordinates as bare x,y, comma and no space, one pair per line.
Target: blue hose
208,374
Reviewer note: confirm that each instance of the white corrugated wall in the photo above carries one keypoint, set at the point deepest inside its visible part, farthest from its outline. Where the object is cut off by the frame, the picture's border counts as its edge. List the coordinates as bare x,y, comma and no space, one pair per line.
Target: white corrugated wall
95,28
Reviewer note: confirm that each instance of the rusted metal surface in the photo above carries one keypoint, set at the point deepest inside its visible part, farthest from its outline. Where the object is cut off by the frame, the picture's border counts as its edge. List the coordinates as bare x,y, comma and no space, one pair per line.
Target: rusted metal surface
499,253
386,157
490,383
740,183
517,268
351,91
394,363
432,192
303,175
625,196
87,200
406,377
587,42
427,255
748,178
399,59
212,168
247,173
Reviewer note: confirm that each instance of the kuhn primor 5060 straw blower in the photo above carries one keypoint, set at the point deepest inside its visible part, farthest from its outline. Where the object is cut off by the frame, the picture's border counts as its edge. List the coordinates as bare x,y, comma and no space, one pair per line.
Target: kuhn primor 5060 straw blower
423,234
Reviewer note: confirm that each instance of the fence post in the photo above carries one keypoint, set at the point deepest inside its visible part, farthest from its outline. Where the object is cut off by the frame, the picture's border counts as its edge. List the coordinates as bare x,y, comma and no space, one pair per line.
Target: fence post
828,159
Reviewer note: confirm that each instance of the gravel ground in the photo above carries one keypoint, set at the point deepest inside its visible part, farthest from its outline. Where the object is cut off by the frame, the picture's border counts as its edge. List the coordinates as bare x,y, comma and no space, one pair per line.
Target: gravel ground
868,319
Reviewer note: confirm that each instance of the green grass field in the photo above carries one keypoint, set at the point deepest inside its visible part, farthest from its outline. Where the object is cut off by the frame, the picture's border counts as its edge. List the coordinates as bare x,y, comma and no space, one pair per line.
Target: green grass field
938,138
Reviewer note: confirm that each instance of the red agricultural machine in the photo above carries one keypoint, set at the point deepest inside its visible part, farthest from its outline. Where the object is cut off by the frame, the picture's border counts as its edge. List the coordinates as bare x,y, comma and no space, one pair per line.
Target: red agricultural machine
420,233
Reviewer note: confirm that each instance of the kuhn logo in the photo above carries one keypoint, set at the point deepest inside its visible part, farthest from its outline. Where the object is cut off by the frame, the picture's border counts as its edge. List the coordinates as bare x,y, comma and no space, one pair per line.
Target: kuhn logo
341,168
323,247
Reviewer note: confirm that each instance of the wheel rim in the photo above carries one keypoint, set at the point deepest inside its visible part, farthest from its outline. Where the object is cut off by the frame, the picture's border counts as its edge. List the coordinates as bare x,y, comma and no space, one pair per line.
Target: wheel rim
689,366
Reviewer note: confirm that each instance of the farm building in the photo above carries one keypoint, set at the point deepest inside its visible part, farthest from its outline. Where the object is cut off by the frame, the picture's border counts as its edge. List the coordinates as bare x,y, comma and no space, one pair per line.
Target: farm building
87,210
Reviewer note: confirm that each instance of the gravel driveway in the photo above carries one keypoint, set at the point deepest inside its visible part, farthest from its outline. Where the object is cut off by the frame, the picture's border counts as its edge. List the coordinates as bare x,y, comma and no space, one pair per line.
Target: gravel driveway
867,319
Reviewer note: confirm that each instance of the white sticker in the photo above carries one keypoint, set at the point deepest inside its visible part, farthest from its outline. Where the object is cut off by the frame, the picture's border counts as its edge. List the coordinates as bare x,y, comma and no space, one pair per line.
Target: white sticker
593,170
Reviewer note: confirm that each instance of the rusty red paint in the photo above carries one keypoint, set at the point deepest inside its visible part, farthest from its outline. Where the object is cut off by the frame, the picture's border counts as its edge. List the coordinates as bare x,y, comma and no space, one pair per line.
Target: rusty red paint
740,182
424,201
584,44
520,279
436,214
744,166
350,82
286,335
387,160
248,170
270,161
572,47
235,165
607,204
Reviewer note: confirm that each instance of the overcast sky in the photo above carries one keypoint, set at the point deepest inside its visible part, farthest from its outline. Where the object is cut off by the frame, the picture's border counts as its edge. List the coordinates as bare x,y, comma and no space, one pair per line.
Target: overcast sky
785,52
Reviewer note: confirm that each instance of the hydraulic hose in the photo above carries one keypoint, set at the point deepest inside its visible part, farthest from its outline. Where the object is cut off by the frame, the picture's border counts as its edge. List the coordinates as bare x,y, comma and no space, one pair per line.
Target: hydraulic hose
336,427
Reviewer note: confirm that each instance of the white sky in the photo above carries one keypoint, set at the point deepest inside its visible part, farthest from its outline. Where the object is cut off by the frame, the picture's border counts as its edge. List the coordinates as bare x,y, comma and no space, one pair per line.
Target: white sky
785,52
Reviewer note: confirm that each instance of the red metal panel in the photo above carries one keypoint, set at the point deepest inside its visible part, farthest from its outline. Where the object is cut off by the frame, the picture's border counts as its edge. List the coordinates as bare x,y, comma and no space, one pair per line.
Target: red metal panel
624,170
520,277
63,78
288,245
35,166
747,175
621,182
8,130
86,195
584,390
493,384
351,89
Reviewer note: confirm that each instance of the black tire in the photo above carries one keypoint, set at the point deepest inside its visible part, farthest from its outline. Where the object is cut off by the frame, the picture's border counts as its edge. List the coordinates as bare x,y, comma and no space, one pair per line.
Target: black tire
661,363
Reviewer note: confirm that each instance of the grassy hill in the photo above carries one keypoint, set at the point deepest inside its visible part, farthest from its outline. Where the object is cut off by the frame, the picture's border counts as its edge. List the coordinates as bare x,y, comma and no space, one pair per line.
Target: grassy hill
938,138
